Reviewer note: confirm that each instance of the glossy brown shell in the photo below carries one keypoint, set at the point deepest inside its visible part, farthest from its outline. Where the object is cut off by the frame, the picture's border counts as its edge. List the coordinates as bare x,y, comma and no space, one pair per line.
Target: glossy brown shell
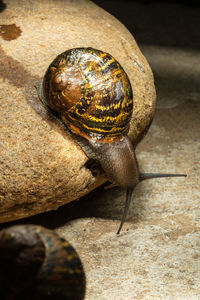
37,264
91,93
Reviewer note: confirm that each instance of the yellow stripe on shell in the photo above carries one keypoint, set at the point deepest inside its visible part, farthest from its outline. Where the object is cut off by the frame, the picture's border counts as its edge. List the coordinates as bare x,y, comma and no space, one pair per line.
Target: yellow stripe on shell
76,130
111,106
103,54
105,119
126,103
62,62
101,107
63,93
107,64
89,68
114,129
53,69
118,71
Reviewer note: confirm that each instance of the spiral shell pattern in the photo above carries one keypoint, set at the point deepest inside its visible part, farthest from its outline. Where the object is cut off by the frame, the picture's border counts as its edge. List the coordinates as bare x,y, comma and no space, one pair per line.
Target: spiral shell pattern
38,264
91,93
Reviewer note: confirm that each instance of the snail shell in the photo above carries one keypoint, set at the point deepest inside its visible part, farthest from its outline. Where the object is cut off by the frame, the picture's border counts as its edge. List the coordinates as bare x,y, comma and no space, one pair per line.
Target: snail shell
37,264
91,92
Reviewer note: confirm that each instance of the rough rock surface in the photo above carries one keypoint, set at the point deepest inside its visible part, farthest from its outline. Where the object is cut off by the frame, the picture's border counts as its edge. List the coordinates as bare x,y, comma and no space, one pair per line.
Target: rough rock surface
42,167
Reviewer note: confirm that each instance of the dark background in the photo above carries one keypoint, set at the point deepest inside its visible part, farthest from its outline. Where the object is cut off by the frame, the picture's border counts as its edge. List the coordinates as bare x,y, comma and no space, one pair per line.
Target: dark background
173,23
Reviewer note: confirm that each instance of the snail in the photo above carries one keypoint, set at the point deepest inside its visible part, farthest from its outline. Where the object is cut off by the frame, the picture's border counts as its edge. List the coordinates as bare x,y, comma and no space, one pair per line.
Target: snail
90,94
37,264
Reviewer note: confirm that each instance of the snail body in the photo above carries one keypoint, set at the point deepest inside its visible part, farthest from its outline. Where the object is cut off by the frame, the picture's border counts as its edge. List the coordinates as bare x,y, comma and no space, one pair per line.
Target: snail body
37,264
92,96
90,93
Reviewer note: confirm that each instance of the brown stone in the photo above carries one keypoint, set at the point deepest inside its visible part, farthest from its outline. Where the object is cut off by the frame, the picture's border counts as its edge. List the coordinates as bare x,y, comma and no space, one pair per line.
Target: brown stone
42,167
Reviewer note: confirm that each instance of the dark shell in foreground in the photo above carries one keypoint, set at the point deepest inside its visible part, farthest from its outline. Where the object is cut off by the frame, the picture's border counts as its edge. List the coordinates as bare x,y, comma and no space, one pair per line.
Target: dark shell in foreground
37,264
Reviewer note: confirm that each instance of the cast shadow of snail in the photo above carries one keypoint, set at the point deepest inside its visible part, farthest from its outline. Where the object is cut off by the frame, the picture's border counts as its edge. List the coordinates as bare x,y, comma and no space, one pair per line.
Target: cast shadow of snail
100,203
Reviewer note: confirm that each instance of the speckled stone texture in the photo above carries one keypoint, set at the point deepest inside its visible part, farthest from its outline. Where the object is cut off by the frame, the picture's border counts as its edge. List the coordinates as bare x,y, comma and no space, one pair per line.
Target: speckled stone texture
157,254
42,167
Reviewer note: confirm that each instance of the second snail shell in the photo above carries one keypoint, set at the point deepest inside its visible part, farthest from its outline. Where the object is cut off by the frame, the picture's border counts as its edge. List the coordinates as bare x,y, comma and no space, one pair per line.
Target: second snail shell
37,264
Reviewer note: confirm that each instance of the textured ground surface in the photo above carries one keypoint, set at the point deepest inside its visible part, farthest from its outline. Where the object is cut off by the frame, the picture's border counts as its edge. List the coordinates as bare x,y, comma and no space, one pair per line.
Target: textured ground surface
157,255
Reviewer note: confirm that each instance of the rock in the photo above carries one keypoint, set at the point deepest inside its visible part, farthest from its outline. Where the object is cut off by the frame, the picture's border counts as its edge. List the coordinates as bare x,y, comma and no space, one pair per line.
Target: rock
42,167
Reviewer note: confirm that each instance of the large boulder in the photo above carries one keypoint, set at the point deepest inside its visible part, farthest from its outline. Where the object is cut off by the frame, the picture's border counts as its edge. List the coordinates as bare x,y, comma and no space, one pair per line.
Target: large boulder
42,167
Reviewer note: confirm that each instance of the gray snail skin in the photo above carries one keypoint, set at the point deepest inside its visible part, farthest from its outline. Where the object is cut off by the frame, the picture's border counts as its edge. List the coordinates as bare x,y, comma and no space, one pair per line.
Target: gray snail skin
91,95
